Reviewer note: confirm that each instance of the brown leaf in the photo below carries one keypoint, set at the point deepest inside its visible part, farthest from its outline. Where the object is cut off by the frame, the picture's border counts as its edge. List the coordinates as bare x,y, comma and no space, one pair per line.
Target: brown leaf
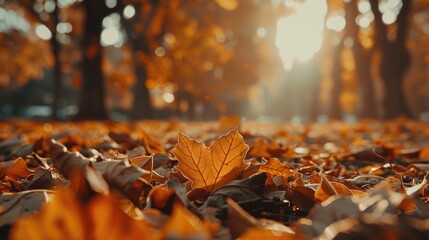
323,215
110,222
274,167
241,224
327,189
229,122
262,233
151,145
132,180
238,190
64,214
303,197
424,153
238,219
42,178
17,205
65,217
417,189
182,224
18,170
263,148
214,166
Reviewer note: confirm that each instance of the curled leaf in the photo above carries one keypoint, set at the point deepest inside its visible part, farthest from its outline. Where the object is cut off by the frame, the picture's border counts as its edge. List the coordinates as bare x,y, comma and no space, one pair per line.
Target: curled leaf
327,189
130,179
16,205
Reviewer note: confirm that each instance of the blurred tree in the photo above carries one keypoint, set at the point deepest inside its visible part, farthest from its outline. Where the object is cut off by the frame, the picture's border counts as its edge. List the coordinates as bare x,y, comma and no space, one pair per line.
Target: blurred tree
21,59
357,51
91,103
144,31
362,59
349,40
395,58
185,46
47,13
23,56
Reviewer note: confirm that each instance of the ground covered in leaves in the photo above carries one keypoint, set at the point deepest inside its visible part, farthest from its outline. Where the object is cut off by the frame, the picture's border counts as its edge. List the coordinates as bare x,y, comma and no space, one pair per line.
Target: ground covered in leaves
214,180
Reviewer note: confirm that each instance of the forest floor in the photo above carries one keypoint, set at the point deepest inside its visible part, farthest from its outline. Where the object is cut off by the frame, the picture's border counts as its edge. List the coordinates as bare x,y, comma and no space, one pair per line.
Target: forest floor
214,180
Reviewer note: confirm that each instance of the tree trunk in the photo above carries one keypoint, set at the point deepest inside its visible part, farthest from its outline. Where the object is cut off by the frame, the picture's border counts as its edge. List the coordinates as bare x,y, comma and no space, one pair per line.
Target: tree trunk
335,110
57,66
141,103
395,60
92,105
393,69
142,107
362,61
367,88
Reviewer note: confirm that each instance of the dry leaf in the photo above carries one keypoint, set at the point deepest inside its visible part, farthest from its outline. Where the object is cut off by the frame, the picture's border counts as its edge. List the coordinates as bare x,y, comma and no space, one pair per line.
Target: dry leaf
424,153
110,222
417,189
323,215
257,233
274,167
63,216
67,218
265,149
327,189
303,198
240,222
229,122
238,190
228,4
151,145
214,166
131,180
18,170
182,224
16,205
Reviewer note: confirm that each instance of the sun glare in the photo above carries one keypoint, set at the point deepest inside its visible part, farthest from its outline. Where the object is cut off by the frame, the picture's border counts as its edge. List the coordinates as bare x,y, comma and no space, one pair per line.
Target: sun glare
299,36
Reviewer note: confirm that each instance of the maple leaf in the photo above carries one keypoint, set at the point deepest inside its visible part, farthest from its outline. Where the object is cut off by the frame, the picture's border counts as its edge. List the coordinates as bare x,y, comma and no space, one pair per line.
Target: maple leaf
211,167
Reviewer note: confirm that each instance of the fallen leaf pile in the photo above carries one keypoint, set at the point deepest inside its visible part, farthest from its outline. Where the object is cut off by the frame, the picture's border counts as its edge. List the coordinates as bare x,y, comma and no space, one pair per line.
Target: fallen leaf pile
214,180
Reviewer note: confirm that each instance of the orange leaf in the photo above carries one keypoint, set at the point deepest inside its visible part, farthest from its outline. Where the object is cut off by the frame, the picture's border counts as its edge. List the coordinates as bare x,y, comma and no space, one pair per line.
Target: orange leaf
228,4
65,217
259,232
276,168
151,145
424,153
110,222
229,122
262,148
214,166
18,169
182,224
64,214
259,149
327,189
